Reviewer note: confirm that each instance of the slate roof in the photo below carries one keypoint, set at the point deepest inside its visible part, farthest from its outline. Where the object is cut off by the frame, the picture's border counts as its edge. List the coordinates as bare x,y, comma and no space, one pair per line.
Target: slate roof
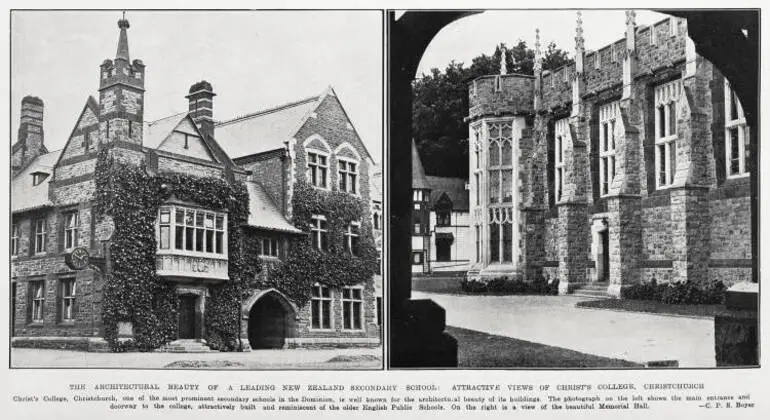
24,195
264,130
157,131
454,189
418,172
264,213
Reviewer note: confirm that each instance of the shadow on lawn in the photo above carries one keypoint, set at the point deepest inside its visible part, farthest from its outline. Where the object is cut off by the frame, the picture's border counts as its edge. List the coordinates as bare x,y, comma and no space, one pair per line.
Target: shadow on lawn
477,349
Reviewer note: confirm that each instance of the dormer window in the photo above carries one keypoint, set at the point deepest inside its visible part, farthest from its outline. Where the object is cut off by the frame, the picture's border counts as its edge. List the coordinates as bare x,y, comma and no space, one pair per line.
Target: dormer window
38,178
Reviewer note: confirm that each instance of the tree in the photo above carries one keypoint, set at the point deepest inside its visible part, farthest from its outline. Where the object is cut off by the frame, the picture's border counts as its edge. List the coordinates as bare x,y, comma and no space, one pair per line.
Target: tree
440,102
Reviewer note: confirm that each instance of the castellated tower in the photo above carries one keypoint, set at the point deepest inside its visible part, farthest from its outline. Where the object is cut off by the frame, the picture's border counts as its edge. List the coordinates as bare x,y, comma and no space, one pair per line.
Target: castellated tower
500,119
121,100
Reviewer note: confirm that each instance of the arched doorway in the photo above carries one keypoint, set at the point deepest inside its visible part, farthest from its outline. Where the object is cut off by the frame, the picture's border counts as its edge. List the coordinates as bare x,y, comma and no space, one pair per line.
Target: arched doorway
271,321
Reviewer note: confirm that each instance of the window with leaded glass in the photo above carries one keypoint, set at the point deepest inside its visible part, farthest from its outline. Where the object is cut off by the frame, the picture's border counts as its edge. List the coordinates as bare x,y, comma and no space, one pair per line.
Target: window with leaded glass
499,162
666,99
608,115
736,136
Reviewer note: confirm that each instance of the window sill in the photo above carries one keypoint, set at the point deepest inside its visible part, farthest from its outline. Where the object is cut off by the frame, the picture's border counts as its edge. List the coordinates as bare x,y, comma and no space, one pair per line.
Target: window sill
35,324
322,329
270,257
66,324
737,177
191,254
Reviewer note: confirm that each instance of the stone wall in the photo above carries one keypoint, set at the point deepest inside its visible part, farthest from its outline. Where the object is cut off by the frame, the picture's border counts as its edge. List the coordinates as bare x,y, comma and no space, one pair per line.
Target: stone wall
87,309
497,95
370,327
269,170
187,167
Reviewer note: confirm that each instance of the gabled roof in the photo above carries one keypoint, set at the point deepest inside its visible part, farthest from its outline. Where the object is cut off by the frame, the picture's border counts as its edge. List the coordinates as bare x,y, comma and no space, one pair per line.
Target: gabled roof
264,213
264,130
157,131
270,129
454,188
418,172
24,195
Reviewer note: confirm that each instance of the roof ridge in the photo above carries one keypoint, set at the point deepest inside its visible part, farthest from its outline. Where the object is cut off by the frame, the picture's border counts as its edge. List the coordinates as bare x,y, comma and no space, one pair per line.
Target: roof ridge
167,117
268,110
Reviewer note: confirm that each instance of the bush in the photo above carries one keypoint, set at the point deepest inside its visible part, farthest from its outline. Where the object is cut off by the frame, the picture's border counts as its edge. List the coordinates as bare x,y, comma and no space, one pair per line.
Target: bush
514,285
678,293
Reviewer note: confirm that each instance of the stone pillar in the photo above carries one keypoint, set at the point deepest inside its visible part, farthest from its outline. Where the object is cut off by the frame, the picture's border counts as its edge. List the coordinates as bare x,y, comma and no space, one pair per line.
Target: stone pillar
574,234
691,234
689,194
574,230
625,241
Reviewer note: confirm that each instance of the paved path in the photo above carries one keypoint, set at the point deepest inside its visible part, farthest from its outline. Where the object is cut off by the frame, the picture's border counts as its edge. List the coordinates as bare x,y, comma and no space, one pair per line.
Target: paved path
555,321
257,359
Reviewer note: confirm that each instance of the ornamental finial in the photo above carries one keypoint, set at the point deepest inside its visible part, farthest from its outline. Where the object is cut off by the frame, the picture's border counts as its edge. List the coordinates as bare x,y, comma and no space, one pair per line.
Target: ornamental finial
579,41
503,70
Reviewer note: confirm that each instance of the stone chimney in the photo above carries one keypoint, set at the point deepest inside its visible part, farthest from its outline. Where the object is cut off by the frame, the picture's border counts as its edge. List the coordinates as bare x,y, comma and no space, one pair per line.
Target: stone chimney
201,97
29,144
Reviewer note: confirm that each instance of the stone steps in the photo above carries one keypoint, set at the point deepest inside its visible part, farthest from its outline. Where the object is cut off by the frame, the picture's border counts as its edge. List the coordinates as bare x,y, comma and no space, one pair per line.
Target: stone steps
592,290
185,346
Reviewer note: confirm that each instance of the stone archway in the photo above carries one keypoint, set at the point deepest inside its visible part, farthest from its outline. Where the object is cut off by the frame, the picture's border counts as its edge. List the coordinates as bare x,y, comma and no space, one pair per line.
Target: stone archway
271,320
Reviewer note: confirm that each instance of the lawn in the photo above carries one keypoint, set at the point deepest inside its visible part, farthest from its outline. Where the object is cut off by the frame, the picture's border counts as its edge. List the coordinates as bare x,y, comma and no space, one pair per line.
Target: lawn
478,349
653,307
449,284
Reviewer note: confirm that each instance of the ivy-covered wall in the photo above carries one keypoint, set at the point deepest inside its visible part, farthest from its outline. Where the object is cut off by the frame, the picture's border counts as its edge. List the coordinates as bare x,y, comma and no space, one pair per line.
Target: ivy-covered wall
133,293
304,264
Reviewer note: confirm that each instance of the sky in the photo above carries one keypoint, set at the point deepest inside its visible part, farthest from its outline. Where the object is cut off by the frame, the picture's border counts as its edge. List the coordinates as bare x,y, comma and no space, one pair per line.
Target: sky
469,37
253,59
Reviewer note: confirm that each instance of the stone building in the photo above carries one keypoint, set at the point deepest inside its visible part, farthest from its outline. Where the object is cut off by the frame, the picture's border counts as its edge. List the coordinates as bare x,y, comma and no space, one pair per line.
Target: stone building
57,302
441,239
628,165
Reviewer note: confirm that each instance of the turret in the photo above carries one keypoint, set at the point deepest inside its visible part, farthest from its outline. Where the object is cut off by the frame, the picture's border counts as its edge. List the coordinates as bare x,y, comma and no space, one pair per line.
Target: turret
121,94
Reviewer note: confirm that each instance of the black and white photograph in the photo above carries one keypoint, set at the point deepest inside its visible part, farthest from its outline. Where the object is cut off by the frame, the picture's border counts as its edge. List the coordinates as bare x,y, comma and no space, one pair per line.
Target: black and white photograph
574,188
196,189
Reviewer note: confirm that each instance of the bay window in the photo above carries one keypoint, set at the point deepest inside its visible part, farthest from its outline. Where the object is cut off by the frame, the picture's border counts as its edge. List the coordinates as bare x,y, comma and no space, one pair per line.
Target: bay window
499,164
192,230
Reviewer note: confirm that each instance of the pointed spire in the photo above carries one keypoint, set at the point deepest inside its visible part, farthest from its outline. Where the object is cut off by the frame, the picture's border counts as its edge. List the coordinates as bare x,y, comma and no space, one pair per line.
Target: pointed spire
538,54
419,180
579,41
123,39
503,70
